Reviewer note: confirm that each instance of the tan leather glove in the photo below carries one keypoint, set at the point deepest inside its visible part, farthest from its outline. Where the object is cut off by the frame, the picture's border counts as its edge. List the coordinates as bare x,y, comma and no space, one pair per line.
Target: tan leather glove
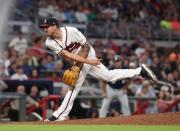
71,75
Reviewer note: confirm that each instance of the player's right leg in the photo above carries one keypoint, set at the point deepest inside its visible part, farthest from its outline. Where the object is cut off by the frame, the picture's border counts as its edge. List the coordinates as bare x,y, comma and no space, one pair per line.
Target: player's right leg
147,72
102,73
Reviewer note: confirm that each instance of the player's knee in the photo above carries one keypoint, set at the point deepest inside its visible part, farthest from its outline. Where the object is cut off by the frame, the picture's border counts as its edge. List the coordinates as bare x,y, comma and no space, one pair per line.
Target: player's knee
108,78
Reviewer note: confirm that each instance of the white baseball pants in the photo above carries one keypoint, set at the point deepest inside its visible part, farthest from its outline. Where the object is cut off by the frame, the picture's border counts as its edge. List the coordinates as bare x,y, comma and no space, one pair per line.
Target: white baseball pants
99,72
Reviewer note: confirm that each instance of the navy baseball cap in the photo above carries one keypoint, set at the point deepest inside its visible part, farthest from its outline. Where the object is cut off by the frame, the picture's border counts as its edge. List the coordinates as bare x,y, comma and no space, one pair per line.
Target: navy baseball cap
49,22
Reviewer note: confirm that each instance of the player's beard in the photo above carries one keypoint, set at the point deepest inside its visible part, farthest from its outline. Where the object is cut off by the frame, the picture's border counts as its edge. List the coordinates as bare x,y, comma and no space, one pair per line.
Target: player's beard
50,34
54,34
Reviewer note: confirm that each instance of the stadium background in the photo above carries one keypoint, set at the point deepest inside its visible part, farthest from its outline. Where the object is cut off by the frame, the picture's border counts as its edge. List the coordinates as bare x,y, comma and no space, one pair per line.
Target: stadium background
140,31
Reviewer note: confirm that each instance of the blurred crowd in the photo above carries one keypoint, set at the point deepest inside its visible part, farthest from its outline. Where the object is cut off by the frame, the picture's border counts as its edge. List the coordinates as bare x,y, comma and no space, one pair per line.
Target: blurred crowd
23,60
28,59
117,18
78,11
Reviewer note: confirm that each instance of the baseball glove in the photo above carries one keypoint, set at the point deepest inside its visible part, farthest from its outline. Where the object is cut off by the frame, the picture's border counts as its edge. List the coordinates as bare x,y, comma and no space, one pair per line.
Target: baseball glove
71,75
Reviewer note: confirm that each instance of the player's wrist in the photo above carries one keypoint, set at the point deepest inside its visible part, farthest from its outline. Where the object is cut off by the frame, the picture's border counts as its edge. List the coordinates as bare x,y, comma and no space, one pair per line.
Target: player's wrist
86,61
78,64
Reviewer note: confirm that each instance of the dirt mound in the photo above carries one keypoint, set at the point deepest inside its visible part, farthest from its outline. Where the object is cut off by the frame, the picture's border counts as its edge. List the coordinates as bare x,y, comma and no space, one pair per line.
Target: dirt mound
152,119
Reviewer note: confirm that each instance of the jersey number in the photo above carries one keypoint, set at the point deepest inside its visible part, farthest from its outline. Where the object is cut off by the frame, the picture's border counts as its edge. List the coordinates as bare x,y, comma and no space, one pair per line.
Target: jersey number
72,46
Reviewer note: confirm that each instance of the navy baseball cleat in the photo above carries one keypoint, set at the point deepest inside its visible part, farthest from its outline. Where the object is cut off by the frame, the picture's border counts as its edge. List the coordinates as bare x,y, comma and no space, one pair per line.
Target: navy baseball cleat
52,118
147,73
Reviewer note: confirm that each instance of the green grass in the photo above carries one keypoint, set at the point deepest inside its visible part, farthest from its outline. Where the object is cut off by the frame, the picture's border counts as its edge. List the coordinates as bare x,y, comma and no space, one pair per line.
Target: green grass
41,127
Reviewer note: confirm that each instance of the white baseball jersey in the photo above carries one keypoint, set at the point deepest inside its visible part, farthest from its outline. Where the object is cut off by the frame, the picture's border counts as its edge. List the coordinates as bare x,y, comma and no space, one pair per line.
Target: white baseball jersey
72,40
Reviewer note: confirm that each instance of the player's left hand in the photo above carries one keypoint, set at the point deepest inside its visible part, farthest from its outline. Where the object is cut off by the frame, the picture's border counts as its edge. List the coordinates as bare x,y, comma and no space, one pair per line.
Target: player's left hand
71,75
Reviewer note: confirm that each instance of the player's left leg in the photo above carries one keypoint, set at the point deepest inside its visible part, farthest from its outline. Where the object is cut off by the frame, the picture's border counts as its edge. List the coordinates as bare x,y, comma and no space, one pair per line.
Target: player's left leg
63,111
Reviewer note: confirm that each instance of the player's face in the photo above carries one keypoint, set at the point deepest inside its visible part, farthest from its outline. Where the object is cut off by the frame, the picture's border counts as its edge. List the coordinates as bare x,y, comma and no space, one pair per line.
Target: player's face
118,64
49,30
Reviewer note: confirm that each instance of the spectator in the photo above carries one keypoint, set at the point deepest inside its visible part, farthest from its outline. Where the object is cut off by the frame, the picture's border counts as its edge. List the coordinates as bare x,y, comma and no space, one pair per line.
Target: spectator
14,105
12,69
37,50
3,72
80,16
58,66
34,94
19,75
164,99
32,60
70,15
3,75
156,66
6,62
170,79
34,74
19,44
145,106
92,112
27,69
50,62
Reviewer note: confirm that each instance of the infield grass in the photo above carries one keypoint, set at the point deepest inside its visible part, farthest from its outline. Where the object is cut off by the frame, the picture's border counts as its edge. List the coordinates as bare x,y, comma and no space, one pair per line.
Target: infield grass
43,127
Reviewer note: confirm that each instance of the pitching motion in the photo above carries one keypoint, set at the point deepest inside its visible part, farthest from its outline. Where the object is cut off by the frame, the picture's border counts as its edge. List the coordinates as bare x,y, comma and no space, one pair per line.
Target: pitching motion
69,42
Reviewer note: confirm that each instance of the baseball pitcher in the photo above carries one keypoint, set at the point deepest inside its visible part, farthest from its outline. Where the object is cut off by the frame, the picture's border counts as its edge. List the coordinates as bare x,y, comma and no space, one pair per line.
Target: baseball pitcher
71,43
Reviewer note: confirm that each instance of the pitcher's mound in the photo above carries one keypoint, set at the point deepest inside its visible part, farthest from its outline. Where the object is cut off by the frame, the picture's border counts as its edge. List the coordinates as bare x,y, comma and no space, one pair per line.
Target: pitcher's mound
150,119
